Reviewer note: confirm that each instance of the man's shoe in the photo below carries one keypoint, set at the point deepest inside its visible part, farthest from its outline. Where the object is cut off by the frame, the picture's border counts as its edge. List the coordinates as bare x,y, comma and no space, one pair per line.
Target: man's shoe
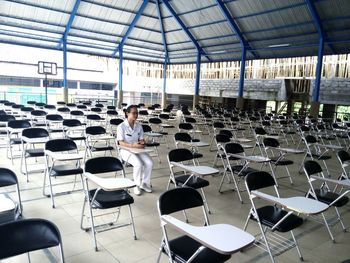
146,188
137,190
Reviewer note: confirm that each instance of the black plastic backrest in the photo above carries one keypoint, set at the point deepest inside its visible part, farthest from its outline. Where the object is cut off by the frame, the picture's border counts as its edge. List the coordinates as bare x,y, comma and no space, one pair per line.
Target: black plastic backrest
146,128
116,121
54,117
155,120
104,164
63,109
82,107
312,167
71,123
180,155
343,156
183,136
60,103
27,109
179,199
96,109
271,142
71,105
259,180
60,145
38,113
93,117
35,133
186,126
17,106
190,120
99,105
112,112
304,128
77,113
143,112
222,138
111,107
2,112
27,235
260,131
310,139
266,123
164,116
227,133
7,177
6,118
235,119
19,124
234,148
219,125
50,107
95,130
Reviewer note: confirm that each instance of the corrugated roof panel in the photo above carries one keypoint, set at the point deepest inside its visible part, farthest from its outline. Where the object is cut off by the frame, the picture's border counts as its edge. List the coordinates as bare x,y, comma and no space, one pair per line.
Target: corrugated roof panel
202,17
146,35
94,35
139,43
183,6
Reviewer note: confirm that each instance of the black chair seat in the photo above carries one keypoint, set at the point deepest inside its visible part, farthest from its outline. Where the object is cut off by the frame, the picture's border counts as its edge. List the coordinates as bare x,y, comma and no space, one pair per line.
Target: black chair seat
15,141
197,155
195,140
55,130
65,169
109,199
238,168
328,197
34,153
77,138
270,215
152,144
231,158
195,181
280,162
183,247
320,157
163,133
168,126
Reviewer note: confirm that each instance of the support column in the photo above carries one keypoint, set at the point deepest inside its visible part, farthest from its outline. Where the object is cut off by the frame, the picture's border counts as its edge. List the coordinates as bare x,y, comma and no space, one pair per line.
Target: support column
197,83
164,96
120,84
65,82
240,99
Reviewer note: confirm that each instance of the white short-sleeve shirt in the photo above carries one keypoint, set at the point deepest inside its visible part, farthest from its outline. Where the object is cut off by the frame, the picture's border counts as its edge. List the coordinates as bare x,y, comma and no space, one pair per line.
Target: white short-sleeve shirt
127,134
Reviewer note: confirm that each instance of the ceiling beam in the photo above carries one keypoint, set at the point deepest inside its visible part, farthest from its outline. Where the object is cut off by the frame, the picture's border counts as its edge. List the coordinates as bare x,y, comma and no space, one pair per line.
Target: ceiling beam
131,26
185,29
70,20
159,12
235,28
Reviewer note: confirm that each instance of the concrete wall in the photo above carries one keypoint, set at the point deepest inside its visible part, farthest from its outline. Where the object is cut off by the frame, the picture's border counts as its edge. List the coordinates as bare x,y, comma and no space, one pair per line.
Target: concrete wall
334,91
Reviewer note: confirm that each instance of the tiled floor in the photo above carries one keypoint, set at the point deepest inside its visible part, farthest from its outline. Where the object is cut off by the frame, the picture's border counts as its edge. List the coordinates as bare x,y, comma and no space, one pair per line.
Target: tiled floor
118,245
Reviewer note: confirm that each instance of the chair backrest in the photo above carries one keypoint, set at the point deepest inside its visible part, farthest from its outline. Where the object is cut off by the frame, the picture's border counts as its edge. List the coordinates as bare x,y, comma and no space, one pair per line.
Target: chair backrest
7,177
72,123
164,116
310,139
104,164
271,142
99,105
180,155
234,148
154,120
312,167
304,128
183,137
111,107
95,130
185,126
93,117
190,120
343,156
179,199
71,105
96,109
112,112
77,113
35,133
222,138
218,125
54,117
38,113
226,132
27,109
116,121
60,103
63,110
50,107
17,106
146,128
235,119
258,180
143,112
7,118
82,107
60,145
19,124
260,131
27,235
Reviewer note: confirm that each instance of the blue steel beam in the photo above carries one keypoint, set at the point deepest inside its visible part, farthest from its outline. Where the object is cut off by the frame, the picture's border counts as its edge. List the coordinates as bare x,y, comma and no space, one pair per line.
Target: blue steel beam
65,82
184,28
241,73
131,26
316,18
120,86
235,27
198,74
71,19
159,12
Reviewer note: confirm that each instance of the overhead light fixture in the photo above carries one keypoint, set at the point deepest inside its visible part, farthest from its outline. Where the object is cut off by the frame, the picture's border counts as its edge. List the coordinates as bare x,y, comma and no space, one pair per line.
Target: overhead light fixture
218,52
279,45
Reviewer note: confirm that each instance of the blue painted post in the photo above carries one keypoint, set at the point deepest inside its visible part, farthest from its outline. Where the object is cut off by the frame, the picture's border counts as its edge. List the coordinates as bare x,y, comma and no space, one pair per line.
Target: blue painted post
316,90
198,78
120,84
65,82
164,84
241,74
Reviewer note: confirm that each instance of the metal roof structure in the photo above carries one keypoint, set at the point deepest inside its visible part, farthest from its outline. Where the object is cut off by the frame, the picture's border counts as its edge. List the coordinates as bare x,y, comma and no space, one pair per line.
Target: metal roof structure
177,31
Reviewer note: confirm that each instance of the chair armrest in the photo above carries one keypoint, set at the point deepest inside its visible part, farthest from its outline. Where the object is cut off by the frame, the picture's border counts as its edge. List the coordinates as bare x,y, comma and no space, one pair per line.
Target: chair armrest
110,184
344,183
222,238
